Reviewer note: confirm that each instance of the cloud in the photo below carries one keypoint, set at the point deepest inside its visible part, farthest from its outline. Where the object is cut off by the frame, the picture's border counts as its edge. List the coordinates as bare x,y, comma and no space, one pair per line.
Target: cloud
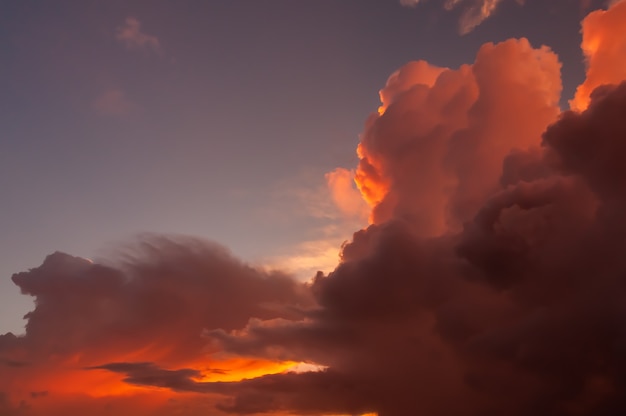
491,280
113,102
345,195
150,304
492,271
519,313
132,37
151,375
604,46
435,149
309,257
474,11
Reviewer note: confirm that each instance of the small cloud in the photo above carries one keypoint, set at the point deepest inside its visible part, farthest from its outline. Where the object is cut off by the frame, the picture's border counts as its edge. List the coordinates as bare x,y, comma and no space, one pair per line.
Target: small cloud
345,195
113,102
474,11
132,37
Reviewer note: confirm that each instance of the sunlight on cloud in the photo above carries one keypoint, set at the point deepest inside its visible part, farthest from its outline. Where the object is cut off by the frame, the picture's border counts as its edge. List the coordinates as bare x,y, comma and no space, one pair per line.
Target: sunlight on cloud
308,257
491,280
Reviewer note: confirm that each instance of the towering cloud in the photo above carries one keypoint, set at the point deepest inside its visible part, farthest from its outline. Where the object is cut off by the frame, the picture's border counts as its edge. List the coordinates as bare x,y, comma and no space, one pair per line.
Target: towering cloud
151,307
604,46
521,312
435,150
490,281
344,194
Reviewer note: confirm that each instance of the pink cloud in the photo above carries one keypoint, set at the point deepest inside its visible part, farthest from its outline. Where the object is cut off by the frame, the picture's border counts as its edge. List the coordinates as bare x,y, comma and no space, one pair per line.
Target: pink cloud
491,282
604,46
132,37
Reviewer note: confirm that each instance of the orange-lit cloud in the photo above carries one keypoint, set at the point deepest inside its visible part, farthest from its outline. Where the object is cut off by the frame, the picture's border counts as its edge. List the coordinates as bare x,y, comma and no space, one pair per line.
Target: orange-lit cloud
336,206
149,311
604,46
344,193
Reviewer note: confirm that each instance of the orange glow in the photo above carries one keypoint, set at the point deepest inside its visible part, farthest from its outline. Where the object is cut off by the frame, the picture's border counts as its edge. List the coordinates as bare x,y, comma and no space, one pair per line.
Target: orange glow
604,46
363,414
372,190
368,179
370,176
92,383
237,369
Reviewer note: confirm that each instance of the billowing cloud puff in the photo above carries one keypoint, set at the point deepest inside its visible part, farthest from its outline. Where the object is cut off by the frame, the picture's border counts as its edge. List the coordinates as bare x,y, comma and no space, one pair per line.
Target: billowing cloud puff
490,282
344,193
521,312
436,149
152,304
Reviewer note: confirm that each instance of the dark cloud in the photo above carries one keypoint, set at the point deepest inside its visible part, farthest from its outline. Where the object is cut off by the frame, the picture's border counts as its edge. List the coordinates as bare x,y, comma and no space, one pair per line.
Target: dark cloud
12,363
166,291
522,312
149,374
152,302
492,280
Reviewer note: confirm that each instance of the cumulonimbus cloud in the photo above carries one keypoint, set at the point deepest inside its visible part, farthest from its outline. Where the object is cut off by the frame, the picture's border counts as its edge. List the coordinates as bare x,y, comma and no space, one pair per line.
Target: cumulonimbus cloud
490,281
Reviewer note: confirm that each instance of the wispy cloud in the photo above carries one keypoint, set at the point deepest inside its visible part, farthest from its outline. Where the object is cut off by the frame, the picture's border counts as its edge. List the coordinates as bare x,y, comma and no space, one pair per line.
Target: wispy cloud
474,11
334,210
114,102
309,257
131,35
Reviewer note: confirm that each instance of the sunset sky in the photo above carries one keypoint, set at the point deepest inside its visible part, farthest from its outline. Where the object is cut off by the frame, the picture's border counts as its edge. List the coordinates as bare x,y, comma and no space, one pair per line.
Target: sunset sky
175,174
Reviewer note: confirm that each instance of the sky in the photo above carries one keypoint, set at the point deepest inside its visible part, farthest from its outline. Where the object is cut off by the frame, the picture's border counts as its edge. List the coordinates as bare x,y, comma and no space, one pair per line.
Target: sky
359,207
